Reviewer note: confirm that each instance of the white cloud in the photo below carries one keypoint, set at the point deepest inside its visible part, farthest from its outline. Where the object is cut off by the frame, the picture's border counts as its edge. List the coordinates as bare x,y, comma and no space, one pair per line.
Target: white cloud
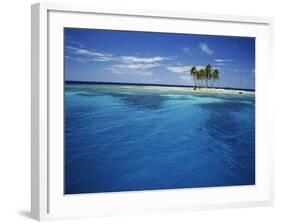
206,49
223,60
76,43
186,78
133,59
179,69
182,69
123,64
79,59
133,68
96,56
82,51
139,66
136,65
186,50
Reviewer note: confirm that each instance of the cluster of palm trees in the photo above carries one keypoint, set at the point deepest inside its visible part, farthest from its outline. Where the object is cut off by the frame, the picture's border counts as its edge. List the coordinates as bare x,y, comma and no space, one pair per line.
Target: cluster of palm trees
204,77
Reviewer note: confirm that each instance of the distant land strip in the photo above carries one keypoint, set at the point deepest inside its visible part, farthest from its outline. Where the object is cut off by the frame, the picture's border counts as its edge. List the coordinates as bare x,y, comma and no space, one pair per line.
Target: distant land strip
144,84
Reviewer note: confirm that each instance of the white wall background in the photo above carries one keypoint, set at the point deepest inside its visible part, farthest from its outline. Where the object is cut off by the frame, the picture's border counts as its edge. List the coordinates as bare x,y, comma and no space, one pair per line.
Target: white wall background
15,110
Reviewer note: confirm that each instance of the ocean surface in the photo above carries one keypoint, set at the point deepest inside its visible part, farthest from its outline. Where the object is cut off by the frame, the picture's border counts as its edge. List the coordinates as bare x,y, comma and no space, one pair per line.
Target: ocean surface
126,138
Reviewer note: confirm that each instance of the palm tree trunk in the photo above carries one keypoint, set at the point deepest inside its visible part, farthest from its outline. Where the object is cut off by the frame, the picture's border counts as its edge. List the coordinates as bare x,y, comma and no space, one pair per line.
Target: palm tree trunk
194,81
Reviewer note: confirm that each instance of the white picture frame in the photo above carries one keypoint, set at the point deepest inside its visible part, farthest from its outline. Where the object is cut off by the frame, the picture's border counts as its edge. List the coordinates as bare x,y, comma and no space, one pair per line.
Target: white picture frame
47,198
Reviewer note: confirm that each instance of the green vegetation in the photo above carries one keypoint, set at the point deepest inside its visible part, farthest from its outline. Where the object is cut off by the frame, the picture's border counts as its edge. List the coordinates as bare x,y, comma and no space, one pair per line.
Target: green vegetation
204,77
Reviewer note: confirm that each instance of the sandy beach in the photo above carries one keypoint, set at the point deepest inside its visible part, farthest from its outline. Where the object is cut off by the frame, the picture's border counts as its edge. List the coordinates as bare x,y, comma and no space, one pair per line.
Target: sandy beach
180,89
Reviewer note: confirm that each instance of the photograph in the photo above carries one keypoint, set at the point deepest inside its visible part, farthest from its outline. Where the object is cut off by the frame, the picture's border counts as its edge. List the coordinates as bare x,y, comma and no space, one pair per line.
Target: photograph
157,111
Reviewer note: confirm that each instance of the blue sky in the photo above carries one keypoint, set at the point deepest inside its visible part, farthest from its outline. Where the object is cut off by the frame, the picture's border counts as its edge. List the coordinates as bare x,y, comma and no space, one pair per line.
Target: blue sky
159,58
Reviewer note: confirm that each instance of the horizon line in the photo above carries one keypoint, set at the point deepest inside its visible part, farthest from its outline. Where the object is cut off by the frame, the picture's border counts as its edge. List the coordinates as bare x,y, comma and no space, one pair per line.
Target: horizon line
146,84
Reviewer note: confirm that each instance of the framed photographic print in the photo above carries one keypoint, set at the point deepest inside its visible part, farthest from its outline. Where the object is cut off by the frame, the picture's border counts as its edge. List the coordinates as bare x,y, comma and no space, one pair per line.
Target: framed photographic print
146,111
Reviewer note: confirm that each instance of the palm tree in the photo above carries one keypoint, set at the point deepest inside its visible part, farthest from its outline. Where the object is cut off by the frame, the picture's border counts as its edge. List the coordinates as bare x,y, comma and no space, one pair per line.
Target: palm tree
193,72
208,74
215,76
197,77
204,75
201,76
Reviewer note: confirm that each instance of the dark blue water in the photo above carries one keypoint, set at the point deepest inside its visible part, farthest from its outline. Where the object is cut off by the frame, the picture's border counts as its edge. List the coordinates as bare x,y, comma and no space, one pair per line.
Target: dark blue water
141,138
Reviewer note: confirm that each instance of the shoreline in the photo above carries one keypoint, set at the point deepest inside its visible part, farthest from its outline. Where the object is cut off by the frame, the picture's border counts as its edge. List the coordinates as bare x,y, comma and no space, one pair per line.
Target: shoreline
147,84
190,90
168,89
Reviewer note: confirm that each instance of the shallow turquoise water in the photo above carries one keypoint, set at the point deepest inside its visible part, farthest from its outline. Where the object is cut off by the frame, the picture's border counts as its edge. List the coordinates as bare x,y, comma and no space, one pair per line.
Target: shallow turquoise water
126,139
